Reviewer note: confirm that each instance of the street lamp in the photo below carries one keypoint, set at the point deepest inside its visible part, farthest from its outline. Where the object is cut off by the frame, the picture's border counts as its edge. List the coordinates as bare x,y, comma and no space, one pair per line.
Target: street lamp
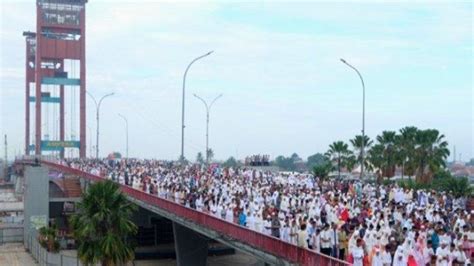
126,132
97,106
208,108
363,117
90,141
182,113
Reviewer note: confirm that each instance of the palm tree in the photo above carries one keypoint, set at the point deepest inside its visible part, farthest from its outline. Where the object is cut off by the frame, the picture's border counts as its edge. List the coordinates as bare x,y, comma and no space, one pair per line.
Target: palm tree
357,143
405,143
199,158
431,152
351,162
322,170
210,154
387,140
339,153
102,225
376,159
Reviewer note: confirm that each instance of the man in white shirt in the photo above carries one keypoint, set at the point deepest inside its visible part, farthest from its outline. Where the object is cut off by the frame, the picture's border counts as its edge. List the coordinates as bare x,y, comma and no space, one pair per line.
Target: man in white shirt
326,240
459,256
358,253
443,255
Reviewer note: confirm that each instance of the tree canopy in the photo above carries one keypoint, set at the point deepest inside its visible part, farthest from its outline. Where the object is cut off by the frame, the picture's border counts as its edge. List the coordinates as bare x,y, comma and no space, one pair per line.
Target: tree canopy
287,163
102,225
417,152
316,160
231,162
199,158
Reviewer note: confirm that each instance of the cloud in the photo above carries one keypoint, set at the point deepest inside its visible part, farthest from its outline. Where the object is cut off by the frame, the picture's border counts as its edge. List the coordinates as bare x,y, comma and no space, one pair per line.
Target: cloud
277,65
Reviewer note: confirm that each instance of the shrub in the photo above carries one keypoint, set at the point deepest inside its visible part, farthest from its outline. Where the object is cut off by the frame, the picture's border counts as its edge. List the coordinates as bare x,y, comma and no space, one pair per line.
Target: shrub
459,187
47,237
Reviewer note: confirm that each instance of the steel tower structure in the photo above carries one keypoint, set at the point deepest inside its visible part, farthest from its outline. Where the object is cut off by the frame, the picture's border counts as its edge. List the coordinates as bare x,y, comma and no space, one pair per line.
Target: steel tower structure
56,64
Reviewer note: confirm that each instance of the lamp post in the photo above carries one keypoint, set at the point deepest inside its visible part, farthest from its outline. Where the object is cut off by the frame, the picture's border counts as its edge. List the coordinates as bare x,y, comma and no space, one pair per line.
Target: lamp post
208,109
90,141
126,133
363,117
97,106
182,111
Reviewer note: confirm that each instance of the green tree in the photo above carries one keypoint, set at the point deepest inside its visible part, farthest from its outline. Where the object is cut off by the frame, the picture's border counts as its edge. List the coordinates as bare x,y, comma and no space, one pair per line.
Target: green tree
199,158
405,145
431,154
231,162
182,160
48,238
459,187
287,163
322,170
210,155
102,225
339,153
357,143
387,140
351,162
376,159
316,160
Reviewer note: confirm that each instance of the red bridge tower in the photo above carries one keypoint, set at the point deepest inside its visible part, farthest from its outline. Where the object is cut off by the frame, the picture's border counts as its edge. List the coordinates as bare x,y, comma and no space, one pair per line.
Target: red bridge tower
56,64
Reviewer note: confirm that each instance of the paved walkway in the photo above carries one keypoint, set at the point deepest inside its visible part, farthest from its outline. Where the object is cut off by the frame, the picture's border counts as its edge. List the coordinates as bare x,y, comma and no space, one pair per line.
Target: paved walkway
14,254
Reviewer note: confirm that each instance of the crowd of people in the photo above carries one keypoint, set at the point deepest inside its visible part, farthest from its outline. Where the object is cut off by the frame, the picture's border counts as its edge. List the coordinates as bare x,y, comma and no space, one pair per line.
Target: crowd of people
257,160
358,222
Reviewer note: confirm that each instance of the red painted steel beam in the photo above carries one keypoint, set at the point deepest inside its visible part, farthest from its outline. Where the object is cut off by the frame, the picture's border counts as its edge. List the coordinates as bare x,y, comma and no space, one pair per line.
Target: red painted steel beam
38,75
82,96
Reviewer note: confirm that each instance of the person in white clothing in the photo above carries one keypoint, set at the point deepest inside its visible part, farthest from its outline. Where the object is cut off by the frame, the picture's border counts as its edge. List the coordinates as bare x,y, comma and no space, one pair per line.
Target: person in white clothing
443,255
293,232
458,256
250,221
229,215
400,258
259,223
358,254
285,232
316,240
267,225
377,258
326,240
386,258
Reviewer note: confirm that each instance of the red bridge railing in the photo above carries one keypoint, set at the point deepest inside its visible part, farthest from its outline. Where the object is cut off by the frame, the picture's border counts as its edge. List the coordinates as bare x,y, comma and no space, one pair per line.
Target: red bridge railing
269,244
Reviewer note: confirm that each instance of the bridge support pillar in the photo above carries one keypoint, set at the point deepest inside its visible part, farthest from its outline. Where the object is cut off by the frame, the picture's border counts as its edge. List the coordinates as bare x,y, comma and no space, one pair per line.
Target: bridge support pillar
190,246
36,201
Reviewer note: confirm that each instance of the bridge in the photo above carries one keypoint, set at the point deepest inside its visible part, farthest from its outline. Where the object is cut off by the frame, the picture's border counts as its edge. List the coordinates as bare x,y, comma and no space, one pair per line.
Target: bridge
189,225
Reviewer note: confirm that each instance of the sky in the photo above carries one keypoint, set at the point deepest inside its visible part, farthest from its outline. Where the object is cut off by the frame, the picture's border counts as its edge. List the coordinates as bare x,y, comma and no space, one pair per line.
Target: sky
277,65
